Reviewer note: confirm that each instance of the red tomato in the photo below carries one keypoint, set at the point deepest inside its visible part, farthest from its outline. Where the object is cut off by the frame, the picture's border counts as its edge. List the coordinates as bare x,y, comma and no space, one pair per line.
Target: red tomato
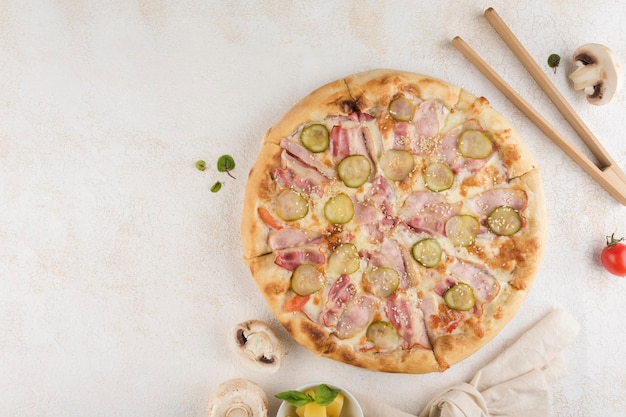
613,256
296,303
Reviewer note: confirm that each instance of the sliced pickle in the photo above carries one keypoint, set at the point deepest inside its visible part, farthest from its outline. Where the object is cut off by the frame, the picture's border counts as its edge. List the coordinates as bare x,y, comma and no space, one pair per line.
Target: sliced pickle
397,164
344,260
339,209
401,109
290,205
438,177
306,279
315,138
382,281
383,334
504,221
427,252
354,170
474,144
462,229
460,297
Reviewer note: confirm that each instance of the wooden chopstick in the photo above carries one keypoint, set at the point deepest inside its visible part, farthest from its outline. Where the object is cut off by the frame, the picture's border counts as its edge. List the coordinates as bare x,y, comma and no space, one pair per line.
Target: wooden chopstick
609,176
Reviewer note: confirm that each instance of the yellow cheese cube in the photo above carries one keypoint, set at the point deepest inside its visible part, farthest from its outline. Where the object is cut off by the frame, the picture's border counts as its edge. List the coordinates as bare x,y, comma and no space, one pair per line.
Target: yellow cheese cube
314,410
334,409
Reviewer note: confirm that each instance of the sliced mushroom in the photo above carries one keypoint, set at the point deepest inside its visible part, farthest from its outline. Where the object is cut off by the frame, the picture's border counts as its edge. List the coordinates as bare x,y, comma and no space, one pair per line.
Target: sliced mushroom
238,398
599,73
257,345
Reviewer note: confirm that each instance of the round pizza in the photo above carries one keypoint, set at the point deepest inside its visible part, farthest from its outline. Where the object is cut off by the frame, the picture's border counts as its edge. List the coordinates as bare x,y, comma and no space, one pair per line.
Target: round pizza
393,221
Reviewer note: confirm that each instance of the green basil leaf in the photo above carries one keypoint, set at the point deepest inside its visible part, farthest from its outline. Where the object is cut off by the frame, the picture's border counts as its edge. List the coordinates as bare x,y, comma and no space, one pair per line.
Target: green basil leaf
295,398
325,395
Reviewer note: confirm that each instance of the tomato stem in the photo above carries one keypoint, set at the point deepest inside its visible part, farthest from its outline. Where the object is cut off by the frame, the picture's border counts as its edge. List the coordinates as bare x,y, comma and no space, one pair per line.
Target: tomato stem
611,241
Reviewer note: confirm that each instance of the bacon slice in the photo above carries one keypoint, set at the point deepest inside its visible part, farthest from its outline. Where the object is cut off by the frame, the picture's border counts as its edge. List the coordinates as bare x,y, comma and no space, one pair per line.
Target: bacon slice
405,315
300,176
307,158
427,211
289,238
291,258
340,142
353,140
338,295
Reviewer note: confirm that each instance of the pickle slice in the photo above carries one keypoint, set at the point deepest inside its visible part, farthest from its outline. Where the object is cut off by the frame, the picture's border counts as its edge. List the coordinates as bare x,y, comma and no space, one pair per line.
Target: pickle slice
344,260
397,164
459,297
354,170
401,109
290,205
504,221
306,279
383,334
315,138
382,281
474,144
438,177
427,252
339,209
462,229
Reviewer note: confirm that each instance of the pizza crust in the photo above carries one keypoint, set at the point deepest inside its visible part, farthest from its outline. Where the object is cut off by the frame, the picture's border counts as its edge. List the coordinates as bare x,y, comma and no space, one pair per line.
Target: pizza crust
260,189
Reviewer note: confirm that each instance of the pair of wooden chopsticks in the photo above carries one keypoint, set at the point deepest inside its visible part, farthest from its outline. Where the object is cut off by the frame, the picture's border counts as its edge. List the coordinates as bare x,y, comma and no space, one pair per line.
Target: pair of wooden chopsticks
608,174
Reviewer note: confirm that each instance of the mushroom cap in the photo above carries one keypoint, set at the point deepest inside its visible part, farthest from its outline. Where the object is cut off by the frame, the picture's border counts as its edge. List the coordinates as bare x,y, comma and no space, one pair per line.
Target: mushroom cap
599,73
257,345
238,398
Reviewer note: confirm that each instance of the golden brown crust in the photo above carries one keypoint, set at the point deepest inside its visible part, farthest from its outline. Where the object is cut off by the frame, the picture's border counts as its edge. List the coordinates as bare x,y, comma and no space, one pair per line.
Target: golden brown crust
514,260
379,86
332,98
260,189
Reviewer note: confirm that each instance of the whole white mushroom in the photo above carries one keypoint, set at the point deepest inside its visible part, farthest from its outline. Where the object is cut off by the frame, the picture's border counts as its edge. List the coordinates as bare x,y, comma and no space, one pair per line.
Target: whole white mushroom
238,398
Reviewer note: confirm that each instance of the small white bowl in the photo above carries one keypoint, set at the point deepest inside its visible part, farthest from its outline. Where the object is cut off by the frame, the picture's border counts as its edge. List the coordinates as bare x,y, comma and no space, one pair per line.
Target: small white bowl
351,407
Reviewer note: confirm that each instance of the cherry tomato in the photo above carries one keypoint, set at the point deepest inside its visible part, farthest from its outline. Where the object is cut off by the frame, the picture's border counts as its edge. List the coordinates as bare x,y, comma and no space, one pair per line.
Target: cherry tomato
613,256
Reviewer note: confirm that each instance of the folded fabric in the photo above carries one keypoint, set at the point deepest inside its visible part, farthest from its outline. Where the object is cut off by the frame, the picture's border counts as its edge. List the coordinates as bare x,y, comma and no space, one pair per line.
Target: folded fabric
514,384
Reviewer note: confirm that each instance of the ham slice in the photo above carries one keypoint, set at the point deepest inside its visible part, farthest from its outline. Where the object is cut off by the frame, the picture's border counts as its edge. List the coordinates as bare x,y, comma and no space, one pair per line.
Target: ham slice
486,287
406,316
428,212
428,118
484,203
454,159
356,316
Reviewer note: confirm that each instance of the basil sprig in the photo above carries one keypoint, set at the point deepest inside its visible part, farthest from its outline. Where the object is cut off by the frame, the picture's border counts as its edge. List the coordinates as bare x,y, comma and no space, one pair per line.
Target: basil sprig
323,396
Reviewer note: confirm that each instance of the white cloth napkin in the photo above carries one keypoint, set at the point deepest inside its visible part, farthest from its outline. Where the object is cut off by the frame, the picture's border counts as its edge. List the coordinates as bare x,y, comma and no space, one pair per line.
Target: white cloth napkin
515,384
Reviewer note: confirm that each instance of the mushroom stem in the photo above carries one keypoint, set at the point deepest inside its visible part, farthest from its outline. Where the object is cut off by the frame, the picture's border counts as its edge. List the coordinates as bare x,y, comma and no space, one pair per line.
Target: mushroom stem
586,76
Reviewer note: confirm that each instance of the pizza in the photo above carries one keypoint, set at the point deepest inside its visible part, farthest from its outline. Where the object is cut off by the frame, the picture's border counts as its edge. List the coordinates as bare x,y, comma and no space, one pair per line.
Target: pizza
393,221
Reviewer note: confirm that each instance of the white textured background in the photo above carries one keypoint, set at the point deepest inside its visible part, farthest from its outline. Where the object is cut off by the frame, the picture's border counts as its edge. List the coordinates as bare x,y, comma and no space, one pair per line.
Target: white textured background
121,273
